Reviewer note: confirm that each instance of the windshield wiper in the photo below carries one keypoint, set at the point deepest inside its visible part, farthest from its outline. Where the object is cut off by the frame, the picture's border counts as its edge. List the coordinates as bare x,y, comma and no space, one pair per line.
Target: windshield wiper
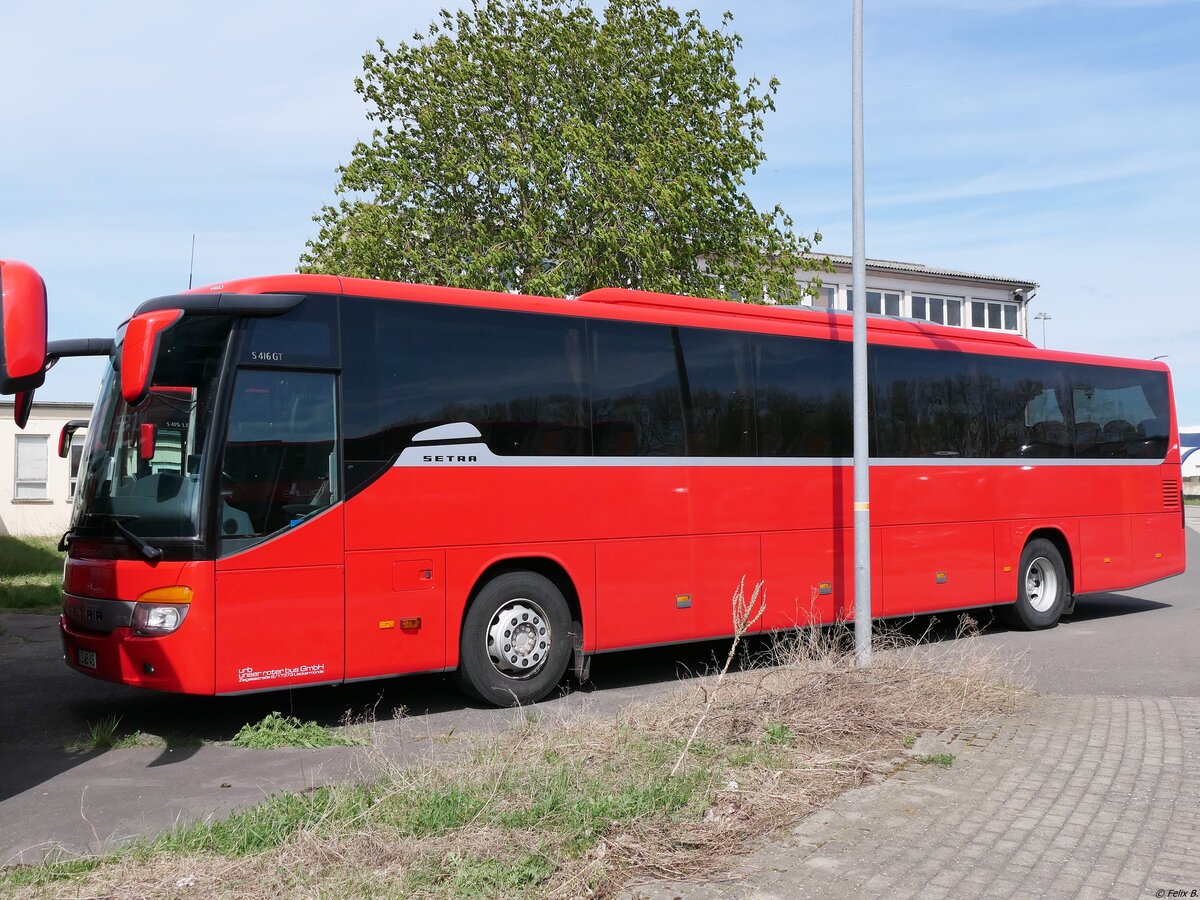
145,549
151,553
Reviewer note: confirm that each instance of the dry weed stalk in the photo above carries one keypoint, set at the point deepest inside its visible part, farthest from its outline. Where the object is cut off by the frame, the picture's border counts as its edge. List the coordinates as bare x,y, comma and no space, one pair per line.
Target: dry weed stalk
745,614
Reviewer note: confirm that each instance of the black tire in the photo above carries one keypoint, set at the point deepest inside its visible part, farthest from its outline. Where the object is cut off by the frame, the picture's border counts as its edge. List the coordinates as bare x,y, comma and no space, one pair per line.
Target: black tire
536,661
1043,589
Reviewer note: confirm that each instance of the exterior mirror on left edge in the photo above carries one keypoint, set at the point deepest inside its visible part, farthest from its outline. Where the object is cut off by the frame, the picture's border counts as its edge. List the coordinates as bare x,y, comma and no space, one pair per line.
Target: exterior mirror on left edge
22,328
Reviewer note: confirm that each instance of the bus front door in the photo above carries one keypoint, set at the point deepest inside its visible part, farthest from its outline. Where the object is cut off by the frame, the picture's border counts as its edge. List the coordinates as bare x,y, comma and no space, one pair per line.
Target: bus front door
281,574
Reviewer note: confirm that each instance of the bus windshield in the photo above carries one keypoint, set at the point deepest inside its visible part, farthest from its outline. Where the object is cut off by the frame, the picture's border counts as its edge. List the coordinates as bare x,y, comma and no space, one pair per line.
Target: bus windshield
143,465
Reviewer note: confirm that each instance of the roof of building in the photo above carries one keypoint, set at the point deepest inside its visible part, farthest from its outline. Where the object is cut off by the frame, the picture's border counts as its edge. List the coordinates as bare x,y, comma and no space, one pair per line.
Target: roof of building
53,404
890,265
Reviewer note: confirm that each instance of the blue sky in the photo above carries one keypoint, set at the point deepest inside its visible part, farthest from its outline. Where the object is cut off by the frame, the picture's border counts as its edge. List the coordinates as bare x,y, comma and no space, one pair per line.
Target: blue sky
1050,140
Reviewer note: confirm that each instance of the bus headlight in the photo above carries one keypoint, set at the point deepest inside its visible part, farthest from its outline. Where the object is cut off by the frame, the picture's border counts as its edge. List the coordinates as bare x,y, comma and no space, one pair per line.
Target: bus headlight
161,611
153,620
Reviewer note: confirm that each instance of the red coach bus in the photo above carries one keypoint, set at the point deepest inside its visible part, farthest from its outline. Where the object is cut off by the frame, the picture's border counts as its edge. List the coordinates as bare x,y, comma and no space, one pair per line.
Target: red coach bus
365,479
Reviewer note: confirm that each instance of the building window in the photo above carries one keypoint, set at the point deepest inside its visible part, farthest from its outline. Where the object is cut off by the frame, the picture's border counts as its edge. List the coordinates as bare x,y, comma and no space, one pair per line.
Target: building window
998,315
942,310
826,297
885,302
954,311
76,456
29,482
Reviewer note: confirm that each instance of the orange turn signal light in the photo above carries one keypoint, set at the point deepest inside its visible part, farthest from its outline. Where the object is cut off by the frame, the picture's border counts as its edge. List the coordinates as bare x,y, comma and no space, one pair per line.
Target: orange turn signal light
176,593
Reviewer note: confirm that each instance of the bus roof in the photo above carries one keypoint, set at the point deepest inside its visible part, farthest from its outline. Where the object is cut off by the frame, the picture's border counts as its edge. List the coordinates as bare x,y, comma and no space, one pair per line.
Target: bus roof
624,303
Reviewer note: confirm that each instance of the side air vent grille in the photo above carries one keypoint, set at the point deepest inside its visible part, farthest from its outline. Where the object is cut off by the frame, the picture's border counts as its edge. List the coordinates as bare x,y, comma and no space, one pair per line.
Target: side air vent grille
1171,495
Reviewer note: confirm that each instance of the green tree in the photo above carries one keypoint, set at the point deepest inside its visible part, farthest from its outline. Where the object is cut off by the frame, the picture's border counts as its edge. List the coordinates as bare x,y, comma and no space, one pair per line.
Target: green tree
531,145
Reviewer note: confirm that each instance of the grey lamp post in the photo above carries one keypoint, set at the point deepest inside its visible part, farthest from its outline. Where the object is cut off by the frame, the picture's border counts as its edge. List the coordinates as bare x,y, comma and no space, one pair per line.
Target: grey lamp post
1043,318
862,483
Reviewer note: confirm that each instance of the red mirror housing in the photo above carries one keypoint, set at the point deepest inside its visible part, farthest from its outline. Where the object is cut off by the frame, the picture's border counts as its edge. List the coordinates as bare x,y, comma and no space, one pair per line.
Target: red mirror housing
22,404
140,349
22,327
146,440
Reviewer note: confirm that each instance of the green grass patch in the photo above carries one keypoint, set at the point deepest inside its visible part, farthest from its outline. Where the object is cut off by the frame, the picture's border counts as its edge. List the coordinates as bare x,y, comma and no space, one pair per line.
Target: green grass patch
104,735
29,556
277,730
1191,501
779,733
471,875
945,760
245,832
49,873
261,827
907,741
30,575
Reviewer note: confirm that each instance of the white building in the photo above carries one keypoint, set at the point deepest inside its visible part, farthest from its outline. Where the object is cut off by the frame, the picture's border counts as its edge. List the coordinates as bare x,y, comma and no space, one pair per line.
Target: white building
945,296
37,487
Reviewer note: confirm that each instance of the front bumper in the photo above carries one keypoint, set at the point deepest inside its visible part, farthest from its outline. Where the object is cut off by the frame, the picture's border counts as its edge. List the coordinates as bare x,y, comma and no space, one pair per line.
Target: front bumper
158,663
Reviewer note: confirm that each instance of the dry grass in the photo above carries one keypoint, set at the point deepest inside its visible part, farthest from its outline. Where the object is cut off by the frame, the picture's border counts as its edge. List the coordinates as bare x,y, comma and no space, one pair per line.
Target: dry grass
583,809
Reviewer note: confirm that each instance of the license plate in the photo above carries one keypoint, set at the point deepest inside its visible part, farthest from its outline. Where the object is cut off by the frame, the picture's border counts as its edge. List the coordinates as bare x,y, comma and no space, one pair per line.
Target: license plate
87,659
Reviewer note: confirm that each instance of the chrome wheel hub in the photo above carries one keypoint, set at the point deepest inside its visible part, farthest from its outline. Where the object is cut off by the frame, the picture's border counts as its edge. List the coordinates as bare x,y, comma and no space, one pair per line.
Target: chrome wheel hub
1041,584
519,638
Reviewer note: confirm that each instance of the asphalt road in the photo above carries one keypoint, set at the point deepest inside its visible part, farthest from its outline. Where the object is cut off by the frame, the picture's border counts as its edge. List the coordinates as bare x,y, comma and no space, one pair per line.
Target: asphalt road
1139,643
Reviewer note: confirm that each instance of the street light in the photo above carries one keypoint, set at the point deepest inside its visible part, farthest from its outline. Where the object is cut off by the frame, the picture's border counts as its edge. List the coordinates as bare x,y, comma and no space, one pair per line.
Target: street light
1044,318
862,489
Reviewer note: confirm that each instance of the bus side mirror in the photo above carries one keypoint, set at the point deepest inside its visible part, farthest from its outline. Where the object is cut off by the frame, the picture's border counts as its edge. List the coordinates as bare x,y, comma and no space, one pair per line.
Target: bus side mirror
140,349
22,328
146,441
68,432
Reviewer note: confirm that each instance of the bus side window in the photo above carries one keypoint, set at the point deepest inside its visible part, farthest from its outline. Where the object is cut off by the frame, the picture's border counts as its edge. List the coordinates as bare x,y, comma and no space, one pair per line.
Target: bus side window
637,404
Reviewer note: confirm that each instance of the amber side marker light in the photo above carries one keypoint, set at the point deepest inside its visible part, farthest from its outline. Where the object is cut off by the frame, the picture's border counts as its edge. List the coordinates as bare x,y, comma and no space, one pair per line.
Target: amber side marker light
161,610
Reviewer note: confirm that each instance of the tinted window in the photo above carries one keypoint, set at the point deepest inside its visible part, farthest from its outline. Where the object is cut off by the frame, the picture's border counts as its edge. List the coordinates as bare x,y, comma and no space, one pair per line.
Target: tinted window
1028,408
940,404
304,336
280,454
517,377
718,392
926,403
803,397
636,399
1120,413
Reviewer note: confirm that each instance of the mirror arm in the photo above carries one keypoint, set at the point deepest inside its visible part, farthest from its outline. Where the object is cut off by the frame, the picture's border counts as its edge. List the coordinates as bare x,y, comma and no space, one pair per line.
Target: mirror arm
56,350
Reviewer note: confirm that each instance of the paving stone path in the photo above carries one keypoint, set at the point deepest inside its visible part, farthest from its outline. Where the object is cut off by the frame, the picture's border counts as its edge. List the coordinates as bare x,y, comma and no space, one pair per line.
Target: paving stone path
1072,797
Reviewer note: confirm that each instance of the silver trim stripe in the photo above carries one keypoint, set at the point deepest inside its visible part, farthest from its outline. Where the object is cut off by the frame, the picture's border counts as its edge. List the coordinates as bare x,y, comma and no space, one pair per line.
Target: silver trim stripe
432,456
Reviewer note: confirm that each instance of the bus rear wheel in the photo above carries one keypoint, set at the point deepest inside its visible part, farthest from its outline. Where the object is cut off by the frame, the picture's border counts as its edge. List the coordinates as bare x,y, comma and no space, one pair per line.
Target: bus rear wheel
1042,587
516,640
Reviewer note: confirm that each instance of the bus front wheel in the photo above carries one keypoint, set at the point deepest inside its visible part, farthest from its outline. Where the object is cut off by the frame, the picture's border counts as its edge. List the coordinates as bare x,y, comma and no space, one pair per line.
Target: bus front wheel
1042,587
516,641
